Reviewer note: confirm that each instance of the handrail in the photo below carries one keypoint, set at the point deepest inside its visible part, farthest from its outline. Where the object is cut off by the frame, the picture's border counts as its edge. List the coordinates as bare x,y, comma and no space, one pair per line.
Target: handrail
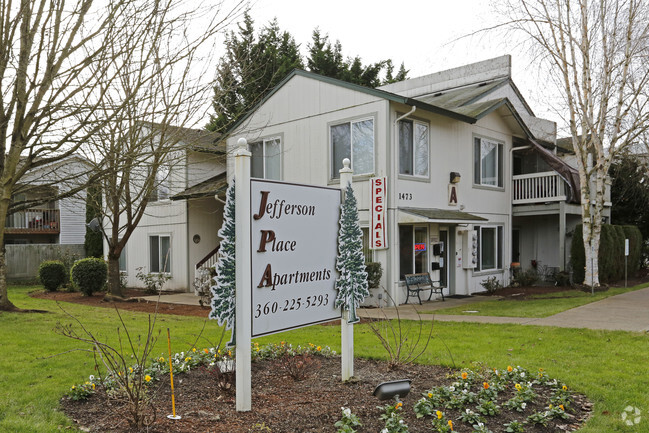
211,254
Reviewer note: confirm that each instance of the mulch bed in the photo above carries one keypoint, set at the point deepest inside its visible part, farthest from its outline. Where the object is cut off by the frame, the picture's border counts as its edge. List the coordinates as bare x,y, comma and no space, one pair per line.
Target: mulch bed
282,404
97,300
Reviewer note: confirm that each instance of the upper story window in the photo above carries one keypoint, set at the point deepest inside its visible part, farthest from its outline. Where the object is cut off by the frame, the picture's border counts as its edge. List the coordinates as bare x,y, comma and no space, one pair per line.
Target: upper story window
353,140
266,159
413,148
487,162
162,184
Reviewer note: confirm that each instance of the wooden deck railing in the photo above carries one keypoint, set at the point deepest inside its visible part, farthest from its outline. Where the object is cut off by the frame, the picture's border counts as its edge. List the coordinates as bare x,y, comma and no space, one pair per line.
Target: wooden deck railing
539,188
34,221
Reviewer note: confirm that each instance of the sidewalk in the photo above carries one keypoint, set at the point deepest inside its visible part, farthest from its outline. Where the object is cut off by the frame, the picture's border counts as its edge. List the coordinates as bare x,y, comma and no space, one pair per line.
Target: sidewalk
625,312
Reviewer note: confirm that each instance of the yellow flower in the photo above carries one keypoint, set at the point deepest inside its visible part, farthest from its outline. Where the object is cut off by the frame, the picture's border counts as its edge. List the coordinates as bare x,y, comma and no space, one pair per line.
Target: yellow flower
485,385
430,395
318,348
130,369
550,406
74,387
189,358
93,386
509,368
161,359
541,370
119,373
439,414
564,387
518,386
229,353
398,405
147,378
450,424
561,406
193,349
464,375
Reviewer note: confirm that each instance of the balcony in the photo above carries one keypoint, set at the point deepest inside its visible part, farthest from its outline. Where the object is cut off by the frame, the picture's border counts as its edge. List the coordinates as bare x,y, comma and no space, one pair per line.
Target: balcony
539,188
34,221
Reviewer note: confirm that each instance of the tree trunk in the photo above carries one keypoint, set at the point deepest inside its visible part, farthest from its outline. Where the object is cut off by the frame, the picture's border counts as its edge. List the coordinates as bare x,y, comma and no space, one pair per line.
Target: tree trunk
5,303
114,287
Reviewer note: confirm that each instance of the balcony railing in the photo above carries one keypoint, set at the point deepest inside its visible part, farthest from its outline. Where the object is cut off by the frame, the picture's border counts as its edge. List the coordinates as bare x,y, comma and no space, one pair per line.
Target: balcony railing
539,188
34,221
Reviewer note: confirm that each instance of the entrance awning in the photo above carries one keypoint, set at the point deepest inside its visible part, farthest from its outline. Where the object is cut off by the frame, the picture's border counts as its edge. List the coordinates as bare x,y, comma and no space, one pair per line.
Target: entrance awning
210,187
442,216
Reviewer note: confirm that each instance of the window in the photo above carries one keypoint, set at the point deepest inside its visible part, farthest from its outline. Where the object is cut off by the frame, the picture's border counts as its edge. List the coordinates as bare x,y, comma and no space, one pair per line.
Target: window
367,252
487,162
266,159
413,256
160,254
162,183
413,148
122,260
353,140
490,247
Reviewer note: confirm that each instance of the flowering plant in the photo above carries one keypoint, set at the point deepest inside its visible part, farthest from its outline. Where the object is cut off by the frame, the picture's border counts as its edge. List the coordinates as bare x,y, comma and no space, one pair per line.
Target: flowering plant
394,422
348,422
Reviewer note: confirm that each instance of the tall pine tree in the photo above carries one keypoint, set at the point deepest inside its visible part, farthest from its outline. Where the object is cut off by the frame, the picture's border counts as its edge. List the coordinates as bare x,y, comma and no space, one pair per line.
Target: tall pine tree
352,282
255,63
223,292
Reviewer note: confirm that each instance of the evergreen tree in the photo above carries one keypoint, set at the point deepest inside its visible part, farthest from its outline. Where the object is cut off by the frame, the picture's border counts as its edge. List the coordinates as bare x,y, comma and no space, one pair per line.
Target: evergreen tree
251,67
352,283
255,63
94,242
223,292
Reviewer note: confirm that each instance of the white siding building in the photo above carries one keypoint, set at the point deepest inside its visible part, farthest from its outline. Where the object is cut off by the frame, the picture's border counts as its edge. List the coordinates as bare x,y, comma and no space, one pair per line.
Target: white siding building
420,134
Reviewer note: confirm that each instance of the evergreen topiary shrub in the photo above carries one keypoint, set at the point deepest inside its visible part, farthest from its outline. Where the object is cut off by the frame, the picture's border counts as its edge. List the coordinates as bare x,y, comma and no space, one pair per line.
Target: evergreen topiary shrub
89,275
578,255
374,273
633,234
51,274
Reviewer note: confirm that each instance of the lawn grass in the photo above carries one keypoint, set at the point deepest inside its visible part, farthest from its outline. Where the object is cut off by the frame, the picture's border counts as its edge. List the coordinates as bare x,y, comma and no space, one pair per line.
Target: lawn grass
535,306
610,367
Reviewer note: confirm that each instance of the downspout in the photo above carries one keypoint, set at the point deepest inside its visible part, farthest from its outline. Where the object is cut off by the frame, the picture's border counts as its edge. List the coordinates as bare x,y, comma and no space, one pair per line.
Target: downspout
507,275
393,273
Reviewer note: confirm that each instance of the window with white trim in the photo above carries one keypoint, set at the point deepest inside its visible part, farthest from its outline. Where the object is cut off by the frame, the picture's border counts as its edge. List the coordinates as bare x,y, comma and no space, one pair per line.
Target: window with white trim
413,148
490,247
413,254
487,162
160,254
162,184
266,161
353,140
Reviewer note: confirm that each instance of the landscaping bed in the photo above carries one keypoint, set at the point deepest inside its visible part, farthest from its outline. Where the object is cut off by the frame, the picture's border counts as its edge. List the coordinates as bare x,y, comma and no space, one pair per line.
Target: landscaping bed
282,404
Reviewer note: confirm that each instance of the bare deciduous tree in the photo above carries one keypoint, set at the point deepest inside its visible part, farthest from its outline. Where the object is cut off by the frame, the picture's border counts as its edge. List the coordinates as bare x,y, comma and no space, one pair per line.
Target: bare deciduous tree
596,53
169,87
61,63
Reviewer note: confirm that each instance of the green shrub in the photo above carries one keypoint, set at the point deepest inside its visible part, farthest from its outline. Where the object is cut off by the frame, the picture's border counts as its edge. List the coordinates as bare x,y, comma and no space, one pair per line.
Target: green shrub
374,273
51,274
578,255
633,234
89,275
526,278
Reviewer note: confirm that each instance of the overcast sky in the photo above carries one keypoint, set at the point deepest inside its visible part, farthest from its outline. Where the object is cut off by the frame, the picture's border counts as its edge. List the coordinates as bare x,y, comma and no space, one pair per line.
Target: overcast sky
421,33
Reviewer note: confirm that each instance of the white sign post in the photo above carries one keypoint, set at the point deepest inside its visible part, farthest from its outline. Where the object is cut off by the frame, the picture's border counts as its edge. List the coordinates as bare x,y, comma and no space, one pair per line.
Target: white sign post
242,254
293,243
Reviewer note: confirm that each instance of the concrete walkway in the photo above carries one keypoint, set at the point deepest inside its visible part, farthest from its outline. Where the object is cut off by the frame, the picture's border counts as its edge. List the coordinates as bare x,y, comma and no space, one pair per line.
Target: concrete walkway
625,312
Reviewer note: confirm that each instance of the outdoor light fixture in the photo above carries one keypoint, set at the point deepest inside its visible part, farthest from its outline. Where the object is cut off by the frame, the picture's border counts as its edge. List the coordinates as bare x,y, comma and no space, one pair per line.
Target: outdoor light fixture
392,389
455,177
94,225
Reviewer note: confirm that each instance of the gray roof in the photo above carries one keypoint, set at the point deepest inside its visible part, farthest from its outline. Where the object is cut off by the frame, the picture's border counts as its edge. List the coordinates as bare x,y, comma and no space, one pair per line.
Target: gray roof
433,214
216,185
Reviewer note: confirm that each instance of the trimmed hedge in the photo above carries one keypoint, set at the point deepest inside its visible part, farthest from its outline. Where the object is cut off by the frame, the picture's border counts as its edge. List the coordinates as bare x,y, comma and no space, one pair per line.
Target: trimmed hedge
611,252
89,275
51,274
374,273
